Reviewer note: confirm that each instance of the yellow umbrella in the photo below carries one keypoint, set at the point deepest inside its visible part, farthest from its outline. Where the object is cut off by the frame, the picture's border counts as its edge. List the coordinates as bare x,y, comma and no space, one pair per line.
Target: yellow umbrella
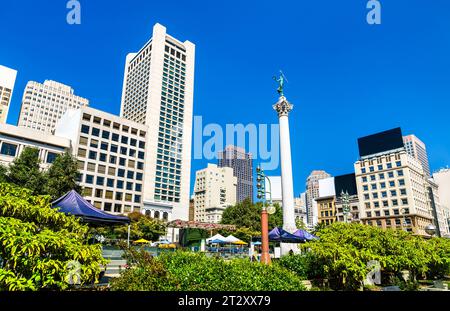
143,241
240,243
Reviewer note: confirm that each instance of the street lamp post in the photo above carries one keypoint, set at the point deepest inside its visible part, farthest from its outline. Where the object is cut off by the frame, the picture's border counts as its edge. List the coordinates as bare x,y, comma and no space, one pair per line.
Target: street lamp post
261,185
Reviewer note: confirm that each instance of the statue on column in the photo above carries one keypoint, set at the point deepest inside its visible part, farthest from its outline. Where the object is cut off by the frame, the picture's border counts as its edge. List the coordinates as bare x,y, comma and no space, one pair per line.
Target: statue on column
280,81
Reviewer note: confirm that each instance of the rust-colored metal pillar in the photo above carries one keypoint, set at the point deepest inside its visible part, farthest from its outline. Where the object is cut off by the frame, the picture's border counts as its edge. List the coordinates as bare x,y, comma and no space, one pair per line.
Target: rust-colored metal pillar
265,257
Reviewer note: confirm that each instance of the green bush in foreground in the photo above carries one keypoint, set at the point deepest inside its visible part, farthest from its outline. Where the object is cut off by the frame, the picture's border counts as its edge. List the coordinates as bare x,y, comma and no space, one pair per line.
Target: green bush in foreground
39,245
186,271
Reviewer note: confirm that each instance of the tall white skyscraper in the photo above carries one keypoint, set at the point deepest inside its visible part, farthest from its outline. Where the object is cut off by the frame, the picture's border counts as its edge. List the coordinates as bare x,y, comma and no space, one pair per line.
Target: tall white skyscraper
417,149
44,104
7,81
312,192
158,90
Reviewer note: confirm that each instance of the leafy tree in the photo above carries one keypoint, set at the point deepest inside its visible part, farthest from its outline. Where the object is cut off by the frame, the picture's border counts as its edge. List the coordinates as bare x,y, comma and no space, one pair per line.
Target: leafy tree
248,215
40,245
62,176
344,250
25,171
3,173
300,224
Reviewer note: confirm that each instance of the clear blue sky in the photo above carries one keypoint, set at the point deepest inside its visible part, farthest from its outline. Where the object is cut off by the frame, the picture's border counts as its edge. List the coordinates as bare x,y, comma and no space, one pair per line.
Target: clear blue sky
346,78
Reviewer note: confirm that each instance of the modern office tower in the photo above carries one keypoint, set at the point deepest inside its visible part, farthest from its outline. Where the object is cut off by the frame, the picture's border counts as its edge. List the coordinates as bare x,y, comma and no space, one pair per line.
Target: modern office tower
7,81
392,187
158,91
14,139
312,192
44,104
273,190
437,209
442,179
242,164
111,154
214,190
417,149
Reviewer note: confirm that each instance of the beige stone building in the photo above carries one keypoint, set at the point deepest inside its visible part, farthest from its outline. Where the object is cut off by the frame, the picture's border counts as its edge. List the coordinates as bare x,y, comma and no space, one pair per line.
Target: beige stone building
392,191
7,81
214,191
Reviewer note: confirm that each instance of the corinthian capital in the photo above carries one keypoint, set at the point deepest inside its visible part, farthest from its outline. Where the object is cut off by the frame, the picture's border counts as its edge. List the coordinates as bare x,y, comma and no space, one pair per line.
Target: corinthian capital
283,107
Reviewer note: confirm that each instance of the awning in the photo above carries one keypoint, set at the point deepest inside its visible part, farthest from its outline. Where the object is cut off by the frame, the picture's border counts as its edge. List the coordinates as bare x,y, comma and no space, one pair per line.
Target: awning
74,204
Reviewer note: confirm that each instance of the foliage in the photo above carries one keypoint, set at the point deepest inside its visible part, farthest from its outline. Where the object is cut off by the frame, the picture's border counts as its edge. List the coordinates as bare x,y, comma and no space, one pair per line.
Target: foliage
303,265
3,173
187,271
62,176
300,224
142,226
344,250
248,215
25,171
38,243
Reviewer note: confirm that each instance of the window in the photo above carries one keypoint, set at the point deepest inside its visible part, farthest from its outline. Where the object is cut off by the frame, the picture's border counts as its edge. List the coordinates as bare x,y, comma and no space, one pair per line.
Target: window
405,201
85,129
82,152
140,165
105,134
109,195
383,185
102,169
393,193
380,167
122,161
363,170
142,144
392,183
401,182
120,184
114,148
124,140
100,181
99,193
138,176
372,177
395,202
89,179
130,175
92,155
403,191
398,163
365,188
141,155
108,207
138,187
9,149
95,132
103,157
123,150
104,146
371,168
364,179
121,172
391,174
381,175
133,142
384,194
110,182
115,137
51,157
374,186
129,186
400,172
83,141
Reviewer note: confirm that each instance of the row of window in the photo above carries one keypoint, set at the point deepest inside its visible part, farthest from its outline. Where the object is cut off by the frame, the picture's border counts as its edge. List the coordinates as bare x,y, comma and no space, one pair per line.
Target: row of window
385,203
381,167
8,149
382,185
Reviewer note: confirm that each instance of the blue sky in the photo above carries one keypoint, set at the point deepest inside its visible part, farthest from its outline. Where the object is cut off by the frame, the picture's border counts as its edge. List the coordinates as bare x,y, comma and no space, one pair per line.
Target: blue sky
346,78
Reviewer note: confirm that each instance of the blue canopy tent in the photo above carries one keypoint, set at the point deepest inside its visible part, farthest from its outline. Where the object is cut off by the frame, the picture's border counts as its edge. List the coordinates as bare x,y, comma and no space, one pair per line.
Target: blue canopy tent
74,204
280,235
305,235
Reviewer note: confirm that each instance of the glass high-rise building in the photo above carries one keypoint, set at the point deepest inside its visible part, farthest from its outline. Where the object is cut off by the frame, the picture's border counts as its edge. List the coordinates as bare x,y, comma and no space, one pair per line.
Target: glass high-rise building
242,164
158,90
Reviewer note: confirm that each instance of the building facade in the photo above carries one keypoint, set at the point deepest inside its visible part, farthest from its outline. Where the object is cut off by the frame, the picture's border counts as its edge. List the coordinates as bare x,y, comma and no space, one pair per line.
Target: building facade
418,150
273,190
43,105
7,81
13,140
242,164
391,184
111,158
326,210
442,179
312,192
214,191
158,91
300,209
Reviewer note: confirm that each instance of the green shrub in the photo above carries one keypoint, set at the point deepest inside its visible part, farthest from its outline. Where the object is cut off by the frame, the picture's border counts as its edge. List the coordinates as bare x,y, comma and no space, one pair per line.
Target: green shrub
188,271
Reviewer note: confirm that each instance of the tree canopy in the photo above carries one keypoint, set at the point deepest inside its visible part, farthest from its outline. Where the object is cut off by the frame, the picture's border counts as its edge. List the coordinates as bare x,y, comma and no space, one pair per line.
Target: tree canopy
41,247
25,171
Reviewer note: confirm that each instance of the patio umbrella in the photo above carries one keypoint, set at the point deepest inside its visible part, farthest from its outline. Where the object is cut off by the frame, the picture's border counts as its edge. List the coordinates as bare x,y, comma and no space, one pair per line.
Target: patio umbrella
141,241
240,243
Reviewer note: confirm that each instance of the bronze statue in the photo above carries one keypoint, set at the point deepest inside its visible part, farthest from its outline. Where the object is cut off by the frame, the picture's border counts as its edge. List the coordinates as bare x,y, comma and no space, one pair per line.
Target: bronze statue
280,81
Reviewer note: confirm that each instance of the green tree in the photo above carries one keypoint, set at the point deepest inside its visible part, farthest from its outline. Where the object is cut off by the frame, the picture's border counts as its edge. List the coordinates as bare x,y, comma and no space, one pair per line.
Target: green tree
300,224
3,173
25,171
248,215
41,247
62,176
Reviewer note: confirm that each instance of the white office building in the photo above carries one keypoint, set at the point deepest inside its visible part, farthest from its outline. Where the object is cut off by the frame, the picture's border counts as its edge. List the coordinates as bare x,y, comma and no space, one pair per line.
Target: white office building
7,81
44,104
158,91
418,150
214,191
111,158
442,179
13,140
